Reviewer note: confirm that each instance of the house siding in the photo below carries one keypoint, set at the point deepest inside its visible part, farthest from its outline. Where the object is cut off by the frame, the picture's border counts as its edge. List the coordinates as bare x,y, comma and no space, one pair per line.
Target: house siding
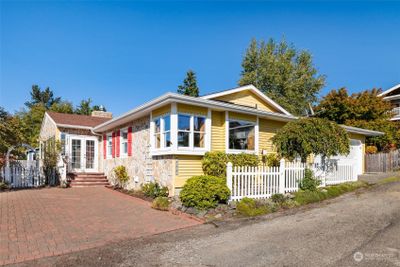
161,111
186,167
217,131
243,117
189,109
48,130
268,129
248,98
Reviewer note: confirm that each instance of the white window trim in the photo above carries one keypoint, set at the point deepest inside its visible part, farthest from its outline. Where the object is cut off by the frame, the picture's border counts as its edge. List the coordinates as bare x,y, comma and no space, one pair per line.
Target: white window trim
121,153
256,136
174,149
108,155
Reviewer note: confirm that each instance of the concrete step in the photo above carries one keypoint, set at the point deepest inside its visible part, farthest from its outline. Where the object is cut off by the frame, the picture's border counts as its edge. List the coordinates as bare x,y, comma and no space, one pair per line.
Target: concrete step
82,184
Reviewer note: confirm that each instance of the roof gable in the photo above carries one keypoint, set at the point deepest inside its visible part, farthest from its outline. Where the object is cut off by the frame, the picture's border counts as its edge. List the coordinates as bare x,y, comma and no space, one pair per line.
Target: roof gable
64,119
248,96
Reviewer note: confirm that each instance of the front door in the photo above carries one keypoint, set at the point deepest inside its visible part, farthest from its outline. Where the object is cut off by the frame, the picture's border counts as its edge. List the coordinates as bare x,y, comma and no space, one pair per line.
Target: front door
83,154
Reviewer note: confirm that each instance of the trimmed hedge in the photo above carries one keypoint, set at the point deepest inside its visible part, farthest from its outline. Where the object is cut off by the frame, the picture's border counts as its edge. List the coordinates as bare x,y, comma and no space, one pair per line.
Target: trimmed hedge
204,192
214,163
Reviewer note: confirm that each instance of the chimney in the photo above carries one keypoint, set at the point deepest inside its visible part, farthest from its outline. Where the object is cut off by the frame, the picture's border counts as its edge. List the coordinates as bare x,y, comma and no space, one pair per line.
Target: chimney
102,114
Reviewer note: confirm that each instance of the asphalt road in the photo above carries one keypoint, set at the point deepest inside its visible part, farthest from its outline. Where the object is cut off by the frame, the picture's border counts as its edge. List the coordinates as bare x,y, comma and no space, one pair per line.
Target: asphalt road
357,229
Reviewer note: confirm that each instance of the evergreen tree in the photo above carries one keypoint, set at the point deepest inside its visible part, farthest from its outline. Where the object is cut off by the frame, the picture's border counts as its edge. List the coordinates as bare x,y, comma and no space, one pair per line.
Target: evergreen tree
283,73
189,86
45,97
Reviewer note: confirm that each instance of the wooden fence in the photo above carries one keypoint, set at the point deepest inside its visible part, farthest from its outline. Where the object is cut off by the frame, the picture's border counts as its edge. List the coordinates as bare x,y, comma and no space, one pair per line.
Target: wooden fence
263,182
382,162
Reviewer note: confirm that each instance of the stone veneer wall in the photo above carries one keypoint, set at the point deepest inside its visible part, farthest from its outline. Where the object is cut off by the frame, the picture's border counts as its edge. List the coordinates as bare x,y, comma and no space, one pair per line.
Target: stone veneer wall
48,130
140,165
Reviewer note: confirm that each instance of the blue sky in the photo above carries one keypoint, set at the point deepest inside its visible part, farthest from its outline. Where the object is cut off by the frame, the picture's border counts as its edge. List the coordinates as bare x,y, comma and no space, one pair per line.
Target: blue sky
124,53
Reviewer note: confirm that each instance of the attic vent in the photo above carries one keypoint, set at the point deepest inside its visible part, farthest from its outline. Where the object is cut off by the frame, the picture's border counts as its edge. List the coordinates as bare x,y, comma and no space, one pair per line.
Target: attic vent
256,106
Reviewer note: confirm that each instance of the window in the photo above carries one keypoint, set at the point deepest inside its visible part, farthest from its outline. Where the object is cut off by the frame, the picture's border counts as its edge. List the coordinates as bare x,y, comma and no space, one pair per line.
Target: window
167,131
183,130
199,131
109,145
191,134
162,132
157,133
124,142
241,135
62,141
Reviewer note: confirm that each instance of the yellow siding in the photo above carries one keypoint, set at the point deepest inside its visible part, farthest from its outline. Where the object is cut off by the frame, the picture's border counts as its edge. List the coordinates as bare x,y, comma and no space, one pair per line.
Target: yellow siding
218,131
267,130
240,116
57,137
187,166
192,109
160,111
248,98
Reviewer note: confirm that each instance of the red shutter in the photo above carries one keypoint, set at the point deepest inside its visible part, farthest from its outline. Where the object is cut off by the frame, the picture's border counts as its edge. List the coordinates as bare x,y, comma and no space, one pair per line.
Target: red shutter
118,143
105,146
130,141
113,145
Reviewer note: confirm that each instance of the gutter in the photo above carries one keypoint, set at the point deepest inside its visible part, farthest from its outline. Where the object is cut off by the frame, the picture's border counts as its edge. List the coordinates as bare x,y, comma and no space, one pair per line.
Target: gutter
362,131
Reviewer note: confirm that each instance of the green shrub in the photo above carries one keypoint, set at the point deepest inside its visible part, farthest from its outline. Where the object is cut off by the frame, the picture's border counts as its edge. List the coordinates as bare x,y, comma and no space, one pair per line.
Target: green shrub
272,160
309,182
160,203
249,207
278,198
121,174
289,203
244,159
306,197
214,163
153,190
3,186
204,192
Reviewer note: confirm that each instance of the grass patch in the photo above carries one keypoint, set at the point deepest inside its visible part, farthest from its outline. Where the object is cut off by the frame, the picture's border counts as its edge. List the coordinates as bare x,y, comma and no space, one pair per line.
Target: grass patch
160,203
389,180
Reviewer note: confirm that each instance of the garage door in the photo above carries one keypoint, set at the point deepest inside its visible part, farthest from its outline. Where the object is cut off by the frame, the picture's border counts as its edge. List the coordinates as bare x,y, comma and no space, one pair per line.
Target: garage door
355,157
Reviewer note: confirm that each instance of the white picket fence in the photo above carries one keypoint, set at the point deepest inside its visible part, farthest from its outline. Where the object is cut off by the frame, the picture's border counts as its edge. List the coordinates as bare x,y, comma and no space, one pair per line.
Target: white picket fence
263,182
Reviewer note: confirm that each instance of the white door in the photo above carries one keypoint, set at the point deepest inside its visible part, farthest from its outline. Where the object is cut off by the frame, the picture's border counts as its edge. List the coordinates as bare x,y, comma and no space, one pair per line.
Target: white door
83,151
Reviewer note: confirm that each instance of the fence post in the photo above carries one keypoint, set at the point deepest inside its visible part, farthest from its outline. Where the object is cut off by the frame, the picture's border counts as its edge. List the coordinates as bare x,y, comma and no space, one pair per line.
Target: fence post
282,176
229,177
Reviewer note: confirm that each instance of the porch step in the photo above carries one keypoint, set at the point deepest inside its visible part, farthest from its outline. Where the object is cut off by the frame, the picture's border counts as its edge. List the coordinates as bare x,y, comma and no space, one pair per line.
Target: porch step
88,179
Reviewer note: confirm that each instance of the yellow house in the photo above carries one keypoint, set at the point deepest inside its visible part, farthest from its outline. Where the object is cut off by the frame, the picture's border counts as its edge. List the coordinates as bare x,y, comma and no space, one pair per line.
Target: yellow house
166,138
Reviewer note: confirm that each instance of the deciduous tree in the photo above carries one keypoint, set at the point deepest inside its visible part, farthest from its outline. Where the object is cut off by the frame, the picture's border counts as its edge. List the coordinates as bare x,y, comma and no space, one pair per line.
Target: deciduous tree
283,73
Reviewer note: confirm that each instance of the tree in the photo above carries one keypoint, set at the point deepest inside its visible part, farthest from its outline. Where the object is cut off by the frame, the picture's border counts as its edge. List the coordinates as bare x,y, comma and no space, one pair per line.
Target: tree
340,107
63,107
31,121
366,110
45,97
283,73
189,86
84,107
307,136
10,131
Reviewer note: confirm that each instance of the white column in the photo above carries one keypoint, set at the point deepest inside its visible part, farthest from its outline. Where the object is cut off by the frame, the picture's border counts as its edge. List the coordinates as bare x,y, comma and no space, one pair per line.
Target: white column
174,127
151,132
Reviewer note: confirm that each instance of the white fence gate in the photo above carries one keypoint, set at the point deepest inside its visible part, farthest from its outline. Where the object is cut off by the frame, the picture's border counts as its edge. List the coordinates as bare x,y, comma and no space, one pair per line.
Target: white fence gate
263,182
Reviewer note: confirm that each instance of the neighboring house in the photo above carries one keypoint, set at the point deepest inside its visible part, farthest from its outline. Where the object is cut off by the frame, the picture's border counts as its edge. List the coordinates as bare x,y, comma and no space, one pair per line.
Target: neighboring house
166,138
393,96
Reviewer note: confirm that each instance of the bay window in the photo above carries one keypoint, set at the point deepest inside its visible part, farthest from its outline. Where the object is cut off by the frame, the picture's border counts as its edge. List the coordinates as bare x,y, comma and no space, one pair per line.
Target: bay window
187,131
241,135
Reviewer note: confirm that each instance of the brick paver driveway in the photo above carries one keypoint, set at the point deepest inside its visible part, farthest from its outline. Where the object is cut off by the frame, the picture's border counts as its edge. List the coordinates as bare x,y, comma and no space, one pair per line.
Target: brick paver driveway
46,222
